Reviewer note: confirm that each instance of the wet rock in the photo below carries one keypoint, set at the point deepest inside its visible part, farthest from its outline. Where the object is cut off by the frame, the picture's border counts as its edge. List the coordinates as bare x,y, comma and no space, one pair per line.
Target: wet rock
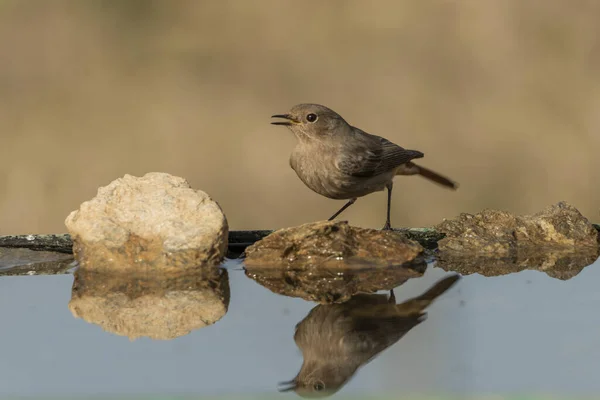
333,285
426,237
159,306
330,244
54,243
501,234
28,262
155,222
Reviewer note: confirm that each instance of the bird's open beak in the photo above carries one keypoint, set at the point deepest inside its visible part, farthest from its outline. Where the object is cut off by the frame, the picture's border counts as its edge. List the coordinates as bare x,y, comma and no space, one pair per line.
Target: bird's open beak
290,120
287,386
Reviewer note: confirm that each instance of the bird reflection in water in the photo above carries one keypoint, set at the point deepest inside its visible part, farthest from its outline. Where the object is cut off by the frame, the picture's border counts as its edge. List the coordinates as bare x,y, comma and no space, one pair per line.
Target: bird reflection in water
337,339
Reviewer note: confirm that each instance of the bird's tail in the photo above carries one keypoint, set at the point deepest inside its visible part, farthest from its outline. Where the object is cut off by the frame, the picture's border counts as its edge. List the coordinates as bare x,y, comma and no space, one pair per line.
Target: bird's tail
423,301
414,169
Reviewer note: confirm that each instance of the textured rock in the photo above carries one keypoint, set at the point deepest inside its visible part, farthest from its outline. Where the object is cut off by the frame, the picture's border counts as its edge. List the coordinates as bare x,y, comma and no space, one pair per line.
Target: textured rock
54,243
501,234
158,306
558,241
333,285
490,231
330,244
558,225
156,221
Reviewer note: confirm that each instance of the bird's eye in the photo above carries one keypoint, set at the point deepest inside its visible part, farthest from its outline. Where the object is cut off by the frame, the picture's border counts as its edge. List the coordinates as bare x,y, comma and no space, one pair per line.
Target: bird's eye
311,117
318,386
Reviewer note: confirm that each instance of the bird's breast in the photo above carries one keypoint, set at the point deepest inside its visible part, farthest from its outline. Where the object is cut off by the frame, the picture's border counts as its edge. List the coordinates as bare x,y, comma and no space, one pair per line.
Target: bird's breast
316,167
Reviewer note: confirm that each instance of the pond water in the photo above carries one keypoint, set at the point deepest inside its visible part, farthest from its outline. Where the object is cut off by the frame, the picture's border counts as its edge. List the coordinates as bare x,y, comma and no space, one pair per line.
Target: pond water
519,334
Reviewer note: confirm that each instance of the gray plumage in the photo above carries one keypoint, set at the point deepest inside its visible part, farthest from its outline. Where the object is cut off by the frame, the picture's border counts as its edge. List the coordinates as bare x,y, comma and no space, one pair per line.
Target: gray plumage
338,339
340,161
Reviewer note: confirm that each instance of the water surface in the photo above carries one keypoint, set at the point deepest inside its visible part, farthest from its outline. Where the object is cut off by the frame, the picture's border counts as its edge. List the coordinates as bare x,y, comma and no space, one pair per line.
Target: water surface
517,334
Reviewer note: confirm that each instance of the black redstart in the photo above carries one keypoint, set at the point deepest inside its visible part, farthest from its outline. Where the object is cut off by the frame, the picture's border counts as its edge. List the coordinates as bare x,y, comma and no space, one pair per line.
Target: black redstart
340,161
337,339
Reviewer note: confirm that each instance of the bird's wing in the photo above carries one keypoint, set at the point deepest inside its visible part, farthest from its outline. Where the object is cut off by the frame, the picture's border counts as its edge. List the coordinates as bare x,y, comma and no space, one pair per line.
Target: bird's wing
374,155
374,334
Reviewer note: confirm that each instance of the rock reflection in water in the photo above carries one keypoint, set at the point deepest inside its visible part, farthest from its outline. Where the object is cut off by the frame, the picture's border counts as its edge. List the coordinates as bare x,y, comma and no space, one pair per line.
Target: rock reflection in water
157,305
333,285
19,261
337,339
560,264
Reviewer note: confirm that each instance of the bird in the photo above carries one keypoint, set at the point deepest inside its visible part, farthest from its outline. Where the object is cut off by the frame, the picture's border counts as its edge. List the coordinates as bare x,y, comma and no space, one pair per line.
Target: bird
338,339
342,162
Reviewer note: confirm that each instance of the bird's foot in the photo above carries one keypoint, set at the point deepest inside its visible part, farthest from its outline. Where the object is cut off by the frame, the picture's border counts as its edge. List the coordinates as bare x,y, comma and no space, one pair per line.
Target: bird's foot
387,227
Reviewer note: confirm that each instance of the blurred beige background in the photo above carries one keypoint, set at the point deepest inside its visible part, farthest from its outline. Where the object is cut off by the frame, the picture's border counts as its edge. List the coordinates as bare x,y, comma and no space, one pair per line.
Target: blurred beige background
502,96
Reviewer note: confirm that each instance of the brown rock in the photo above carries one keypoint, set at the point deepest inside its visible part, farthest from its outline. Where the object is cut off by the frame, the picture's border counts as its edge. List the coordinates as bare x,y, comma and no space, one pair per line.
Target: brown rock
501,234
558,241
558,225
331,244
490,231
156,222
159,306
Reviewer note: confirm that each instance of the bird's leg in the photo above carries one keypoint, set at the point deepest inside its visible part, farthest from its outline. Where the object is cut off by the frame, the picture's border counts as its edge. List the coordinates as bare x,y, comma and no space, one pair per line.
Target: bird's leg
388,225
348,204
392,299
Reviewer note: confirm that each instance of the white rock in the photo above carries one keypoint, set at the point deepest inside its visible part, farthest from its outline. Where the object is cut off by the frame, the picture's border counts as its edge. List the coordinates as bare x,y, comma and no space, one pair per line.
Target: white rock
156,219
